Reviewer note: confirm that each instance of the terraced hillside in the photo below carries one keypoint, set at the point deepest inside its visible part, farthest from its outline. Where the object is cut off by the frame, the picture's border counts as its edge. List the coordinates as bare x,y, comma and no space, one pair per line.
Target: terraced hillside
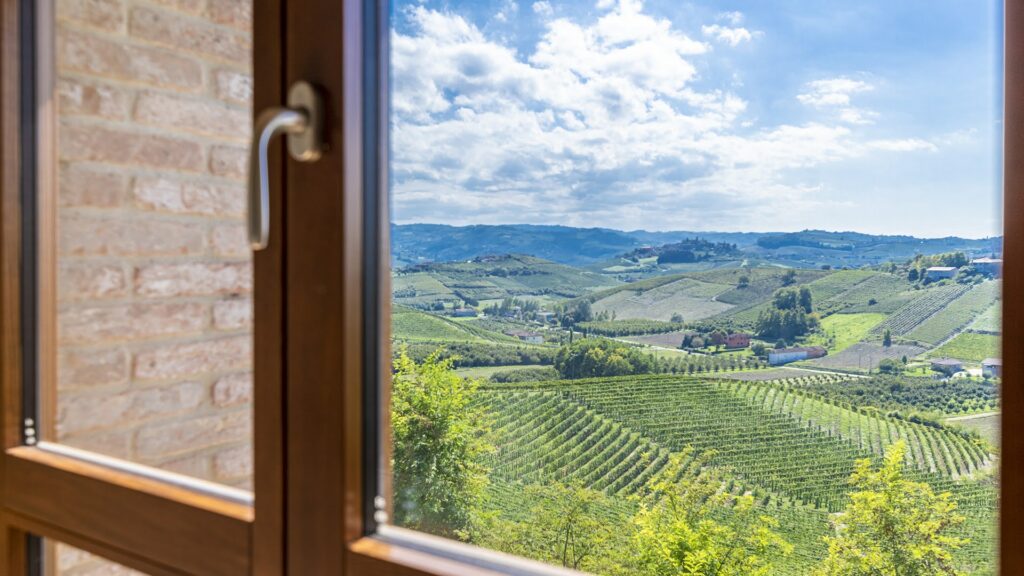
791,448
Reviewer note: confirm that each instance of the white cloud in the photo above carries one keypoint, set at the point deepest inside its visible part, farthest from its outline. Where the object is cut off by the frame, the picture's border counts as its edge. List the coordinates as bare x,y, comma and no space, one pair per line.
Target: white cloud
832,91
836,94
734,18
597,124
543,8
508,9
731,36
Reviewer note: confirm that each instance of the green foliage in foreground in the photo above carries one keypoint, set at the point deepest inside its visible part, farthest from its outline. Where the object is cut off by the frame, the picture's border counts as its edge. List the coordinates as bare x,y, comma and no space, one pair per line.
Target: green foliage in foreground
687,524
629,327
893,526
438,447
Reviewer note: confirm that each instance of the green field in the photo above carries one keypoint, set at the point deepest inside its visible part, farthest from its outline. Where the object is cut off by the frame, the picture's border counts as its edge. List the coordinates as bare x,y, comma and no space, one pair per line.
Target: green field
846,330
969,347
986,425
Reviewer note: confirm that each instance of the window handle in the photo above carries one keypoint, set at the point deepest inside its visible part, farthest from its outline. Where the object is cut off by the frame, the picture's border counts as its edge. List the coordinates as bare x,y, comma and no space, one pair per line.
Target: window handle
302,121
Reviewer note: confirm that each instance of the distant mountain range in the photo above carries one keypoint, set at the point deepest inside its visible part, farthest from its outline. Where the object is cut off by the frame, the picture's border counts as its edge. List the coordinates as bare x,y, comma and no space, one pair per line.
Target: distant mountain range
423,243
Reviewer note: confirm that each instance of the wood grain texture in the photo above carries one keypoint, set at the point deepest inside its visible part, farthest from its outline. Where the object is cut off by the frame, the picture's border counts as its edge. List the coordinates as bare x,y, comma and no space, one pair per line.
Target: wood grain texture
268,309
1012,444
124,517
322,323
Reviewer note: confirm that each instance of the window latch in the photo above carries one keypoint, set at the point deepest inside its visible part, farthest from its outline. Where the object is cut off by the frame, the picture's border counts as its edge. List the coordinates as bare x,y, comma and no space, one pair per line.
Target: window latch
302,121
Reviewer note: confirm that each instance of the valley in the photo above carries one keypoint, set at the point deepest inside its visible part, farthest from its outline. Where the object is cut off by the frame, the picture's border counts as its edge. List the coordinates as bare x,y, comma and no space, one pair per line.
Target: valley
785,358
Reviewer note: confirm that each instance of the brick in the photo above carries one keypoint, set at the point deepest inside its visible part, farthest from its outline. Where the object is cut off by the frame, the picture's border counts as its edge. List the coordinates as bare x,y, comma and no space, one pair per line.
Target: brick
183,113
128,148
83,98
68,557
108,15
187,197
89,187
232,390
115,443
82,52
193,278
188,6
80,413
194,465
229,162
233,86
182,436
96,237
189,34
182,360
130,322
233,314
90,281
236,13
233,463
89,368
230,240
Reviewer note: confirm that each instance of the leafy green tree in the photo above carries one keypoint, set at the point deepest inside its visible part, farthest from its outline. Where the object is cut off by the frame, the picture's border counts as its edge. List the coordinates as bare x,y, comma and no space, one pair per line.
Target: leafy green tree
887,338
743,282
677,318
439,446
564,524
591,357
789,277
689,525
893,526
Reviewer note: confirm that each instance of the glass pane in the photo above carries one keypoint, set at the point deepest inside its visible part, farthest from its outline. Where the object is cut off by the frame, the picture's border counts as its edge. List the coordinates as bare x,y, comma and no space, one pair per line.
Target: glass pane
65,560
142,232
686,289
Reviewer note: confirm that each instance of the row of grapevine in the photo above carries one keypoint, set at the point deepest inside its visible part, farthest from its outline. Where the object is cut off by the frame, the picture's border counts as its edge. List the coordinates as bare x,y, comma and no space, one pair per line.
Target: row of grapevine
957,314
919,309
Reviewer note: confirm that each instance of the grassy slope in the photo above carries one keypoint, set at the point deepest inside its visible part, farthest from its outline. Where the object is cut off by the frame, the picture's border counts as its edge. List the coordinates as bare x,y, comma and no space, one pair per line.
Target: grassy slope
847,329
969,347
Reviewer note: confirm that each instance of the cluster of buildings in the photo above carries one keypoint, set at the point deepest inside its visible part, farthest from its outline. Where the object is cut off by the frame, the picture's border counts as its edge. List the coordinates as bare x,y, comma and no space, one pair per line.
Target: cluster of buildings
990,367
988,266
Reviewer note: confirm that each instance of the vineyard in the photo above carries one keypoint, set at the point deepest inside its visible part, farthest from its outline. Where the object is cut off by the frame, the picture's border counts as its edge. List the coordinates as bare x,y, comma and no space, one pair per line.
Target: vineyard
950,397
957,314
919,309
790,446
629,327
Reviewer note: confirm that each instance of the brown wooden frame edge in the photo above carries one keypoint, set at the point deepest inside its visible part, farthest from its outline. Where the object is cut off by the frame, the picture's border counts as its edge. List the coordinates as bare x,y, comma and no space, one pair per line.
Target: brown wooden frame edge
142,522
1011,505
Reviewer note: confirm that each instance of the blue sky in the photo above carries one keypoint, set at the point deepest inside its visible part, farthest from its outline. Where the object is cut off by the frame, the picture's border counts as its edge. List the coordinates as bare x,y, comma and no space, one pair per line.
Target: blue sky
865,115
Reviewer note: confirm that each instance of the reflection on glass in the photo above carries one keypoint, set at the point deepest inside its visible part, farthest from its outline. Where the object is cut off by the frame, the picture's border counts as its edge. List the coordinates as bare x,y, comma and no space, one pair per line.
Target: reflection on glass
65,560
151,318
695,288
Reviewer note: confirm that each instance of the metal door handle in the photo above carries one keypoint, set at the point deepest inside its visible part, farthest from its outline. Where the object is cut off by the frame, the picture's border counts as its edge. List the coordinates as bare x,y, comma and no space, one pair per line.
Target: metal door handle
302,120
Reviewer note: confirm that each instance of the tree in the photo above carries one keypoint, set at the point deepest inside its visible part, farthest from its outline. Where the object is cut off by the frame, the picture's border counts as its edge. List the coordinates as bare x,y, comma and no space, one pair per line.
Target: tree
887,338
688,524
591,357
890,366
743,282
564,524
892,525
438,446
677,318
913,275
789,277
758,349
805,298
